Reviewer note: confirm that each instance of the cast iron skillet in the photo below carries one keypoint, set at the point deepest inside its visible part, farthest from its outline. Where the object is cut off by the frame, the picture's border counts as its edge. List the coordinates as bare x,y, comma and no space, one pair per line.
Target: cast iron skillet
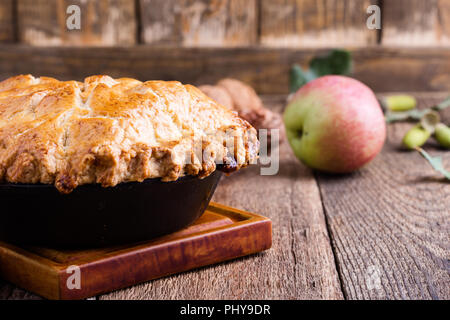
93,216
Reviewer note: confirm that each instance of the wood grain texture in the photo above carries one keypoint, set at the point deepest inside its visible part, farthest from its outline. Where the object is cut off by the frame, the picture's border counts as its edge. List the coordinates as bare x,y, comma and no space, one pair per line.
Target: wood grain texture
9,291
311,23
104,22
7,21
203,23
300,264
416,22
389,223
267,70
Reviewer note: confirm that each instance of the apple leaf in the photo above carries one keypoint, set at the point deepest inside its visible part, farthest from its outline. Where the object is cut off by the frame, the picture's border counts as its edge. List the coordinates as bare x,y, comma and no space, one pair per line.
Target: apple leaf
436,162
299,77
335,62
414,114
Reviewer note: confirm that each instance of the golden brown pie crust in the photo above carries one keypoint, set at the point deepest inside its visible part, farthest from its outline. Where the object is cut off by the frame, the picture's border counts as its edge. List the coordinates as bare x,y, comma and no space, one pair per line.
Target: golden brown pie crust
109,131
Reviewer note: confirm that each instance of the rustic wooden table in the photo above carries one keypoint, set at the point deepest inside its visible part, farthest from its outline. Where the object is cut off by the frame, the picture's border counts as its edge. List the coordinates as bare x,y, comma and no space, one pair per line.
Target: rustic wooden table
380,233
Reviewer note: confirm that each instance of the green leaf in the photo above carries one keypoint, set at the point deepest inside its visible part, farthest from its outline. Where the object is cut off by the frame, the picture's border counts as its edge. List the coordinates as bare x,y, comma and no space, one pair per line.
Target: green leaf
436,162
335,62
298,78
396,116
405,116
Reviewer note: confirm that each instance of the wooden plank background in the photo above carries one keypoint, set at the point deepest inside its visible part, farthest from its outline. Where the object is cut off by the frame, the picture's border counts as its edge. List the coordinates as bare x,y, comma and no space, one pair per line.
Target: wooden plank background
7,14
103,22
267,70
227,23
311,23
416,22
199,23
201,41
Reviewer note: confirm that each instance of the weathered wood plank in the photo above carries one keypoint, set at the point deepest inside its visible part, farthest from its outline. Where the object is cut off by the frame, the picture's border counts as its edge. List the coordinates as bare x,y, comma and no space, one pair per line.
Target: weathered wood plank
311,23
300,264
7,21
416,22
267,70
11,292
203,23
389,224
105,22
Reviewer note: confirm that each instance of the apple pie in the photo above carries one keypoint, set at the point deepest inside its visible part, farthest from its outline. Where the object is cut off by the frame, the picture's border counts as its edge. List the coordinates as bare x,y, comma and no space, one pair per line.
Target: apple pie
109,131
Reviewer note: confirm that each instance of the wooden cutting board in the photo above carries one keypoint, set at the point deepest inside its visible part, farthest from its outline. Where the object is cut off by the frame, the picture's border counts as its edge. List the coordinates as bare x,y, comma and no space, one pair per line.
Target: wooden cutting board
221,233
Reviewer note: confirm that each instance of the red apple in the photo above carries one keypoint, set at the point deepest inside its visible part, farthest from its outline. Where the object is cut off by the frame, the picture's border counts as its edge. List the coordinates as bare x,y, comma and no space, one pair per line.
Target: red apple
335,124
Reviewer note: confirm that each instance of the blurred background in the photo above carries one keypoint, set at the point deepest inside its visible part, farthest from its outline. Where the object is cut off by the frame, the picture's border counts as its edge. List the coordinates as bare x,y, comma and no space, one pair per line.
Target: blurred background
201,41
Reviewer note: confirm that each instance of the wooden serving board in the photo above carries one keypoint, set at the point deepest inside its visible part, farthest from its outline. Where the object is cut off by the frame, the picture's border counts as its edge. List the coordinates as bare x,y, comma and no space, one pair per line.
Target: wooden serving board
221,233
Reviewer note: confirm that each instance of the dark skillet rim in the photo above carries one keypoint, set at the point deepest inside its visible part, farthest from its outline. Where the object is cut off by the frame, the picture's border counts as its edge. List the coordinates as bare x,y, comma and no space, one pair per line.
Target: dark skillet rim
95,186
